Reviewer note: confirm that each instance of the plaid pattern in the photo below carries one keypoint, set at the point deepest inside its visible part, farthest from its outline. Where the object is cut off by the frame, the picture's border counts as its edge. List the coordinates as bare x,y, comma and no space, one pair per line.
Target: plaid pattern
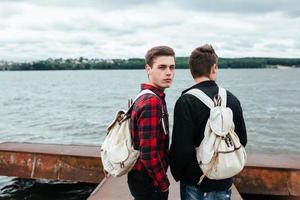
149,137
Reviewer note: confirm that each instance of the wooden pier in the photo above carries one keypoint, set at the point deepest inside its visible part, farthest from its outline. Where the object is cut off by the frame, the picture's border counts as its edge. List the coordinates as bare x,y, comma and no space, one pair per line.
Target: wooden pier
107,190
263,174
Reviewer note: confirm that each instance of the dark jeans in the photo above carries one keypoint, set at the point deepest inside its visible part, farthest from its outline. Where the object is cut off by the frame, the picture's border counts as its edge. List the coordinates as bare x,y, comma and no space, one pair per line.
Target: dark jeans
141,188
191,192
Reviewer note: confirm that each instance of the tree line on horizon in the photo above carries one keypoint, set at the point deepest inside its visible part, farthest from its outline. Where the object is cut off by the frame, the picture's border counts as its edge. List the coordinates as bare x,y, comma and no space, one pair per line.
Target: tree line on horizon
139,63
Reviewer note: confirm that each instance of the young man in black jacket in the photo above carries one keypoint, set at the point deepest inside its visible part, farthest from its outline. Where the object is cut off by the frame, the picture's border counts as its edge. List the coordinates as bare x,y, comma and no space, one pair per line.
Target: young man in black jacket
190,117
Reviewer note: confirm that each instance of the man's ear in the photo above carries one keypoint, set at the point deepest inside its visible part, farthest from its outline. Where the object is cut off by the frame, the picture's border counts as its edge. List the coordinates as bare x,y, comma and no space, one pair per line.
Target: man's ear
147,67
214,69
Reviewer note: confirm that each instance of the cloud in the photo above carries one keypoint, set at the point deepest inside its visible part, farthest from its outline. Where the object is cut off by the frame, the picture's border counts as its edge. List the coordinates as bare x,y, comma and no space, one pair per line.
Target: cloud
8,11
95,4
245,7
293,14
232,6
35,29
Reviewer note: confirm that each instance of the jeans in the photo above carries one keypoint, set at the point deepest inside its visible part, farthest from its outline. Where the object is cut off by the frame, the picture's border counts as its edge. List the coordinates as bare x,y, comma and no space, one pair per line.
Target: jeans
141,187
191,192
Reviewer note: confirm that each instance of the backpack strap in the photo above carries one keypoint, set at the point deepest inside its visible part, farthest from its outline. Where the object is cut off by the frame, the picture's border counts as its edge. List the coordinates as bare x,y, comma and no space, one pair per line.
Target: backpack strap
223,95
206,99
202,97
147,91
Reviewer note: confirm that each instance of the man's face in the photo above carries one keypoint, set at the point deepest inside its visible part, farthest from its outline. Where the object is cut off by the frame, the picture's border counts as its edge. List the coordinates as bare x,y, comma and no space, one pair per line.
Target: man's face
162,72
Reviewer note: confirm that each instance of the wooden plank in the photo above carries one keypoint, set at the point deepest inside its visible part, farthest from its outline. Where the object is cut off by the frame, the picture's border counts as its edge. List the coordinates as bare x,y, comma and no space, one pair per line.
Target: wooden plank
116,188
235,194
107,189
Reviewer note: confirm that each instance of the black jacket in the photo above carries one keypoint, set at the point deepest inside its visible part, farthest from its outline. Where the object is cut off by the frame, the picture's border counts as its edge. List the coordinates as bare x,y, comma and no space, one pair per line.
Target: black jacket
190,117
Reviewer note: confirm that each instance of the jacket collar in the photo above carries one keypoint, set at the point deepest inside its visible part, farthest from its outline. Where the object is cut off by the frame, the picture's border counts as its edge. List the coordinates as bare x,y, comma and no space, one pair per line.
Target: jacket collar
202,84
157,91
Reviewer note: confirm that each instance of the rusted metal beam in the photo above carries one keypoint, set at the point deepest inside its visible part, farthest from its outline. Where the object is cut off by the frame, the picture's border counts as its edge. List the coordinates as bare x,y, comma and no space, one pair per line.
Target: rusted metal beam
270,175
263,174
80,163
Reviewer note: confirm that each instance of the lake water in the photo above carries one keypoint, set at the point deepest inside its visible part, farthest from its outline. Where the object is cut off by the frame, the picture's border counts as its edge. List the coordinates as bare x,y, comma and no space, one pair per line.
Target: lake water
74,107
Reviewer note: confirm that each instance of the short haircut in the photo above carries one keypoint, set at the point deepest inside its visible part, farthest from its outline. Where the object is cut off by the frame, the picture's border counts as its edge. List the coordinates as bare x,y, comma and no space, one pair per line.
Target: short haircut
158,51
201,60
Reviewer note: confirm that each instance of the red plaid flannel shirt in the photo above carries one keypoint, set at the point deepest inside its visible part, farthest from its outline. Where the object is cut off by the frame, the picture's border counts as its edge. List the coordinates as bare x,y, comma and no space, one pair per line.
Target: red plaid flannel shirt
149,137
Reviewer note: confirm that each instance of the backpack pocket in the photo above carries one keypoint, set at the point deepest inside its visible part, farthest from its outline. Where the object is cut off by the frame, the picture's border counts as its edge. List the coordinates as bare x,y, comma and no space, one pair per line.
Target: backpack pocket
118,153
220,120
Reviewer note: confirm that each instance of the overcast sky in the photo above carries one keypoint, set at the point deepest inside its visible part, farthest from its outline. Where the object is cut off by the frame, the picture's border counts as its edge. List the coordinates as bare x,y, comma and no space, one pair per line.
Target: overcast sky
39,29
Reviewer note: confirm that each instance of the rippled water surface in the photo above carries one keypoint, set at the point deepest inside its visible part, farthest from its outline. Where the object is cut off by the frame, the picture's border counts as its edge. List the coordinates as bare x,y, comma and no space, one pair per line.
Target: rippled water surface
74,107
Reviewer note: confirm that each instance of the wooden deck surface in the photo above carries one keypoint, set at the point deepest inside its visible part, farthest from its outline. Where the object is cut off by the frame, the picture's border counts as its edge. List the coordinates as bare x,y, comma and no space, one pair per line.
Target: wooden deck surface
117,189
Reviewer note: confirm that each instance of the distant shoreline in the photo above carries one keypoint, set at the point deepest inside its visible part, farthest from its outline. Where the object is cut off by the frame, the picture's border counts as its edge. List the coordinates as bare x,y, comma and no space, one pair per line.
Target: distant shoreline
138,63
280,68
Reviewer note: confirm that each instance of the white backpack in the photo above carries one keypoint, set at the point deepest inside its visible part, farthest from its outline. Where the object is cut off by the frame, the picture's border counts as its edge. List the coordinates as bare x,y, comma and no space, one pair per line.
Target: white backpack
220,154
117,153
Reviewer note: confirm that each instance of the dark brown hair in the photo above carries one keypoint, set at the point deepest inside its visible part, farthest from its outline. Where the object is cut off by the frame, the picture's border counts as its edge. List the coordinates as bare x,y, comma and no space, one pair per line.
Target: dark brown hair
201,60
158,51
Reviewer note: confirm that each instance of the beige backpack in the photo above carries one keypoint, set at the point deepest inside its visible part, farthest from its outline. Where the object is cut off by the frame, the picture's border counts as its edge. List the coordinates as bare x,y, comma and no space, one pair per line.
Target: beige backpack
220,154
117,153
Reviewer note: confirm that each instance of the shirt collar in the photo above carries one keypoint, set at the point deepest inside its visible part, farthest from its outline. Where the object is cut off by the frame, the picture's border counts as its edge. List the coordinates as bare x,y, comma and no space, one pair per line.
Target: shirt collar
157,91
202,84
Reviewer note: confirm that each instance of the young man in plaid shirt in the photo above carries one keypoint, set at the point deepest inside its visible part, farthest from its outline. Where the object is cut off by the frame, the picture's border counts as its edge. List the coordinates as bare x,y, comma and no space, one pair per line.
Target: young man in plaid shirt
150,128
